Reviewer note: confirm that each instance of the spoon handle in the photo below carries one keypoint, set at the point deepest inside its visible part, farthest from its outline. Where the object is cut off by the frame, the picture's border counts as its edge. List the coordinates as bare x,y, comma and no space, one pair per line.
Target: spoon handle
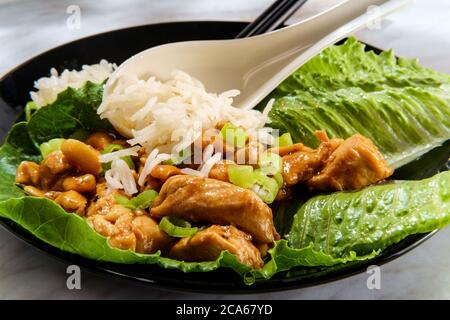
294,45
273,17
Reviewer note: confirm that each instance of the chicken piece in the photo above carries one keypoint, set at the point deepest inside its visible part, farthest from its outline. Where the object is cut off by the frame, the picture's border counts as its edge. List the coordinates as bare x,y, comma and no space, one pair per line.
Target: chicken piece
51,167
28,173
124,238
163,172
118,229
101,225
206,245
35,192
124,241
151,184
207,200
126,229
327,146
81,184
101,189
284,193
52,194
108,208
356,163
220,170
99,140
72,201
102,206
149,237
302,165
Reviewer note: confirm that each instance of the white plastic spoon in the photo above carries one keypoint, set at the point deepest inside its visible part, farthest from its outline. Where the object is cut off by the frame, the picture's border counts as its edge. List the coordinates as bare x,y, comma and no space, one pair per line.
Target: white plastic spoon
255,65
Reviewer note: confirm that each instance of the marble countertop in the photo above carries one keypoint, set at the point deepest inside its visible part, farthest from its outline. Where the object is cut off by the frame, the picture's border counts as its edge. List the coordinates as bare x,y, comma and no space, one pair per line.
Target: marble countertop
28,27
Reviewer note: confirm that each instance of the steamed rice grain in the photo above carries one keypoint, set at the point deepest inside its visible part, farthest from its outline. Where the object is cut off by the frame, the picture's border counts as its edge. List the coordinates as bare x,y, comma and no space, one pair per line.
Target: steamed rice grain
49,87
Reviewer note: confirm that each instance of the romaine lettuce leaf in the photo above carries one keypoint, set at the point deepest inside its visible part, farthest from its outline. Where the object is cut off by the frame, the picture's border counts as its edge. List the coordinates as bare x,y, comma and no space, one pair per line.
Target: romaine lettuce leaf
351,226
403,107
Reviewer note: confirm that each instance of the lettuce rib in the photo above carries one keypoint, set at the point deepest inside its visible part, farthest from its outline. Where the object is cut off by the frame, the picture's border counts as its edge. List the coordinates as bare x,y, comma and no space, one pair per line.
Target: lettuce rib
403,107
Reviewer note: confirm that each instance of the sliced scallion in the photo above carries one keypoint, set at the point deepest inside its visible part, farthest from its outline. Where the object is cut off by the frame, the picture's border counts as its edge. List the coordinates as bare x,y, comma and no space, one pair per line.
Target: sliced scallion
234,135
284,140
51,146
141,201
116,147
279,179
179,158
176,227
270,163
265,187
30,107
241,175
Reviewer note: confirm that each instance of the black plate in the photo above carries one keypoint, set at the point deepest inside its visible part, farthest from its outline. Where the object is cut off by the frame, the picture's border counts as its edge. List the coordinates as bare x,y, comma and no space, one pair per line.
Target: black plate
116,46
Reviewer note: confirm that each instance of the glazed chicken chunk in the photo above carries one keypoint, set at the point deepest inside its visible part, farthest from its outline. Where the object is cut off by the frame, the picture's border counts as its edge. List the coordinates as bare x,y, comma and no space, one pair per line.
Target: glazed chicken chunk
336,165
127,229
207,200
206,245
356,163
304,162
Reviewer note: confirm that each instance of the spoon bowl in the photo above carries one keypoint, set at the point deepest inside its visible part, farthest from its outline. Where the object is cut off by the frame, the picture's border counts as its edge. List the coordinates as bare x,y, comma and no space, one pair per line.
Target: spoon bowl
256,65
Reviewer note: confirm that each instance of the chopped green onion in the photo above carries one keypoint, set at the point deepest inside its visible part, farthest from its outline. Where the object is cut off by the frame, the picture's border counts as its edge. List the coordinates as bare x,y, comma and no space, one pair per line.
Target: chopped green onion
270,163
142,201
112,148
233,134
241,176
128,161
80,135
284,140
179,158
29,108
51,146
177,227
257,180
265,187
124,201
279,178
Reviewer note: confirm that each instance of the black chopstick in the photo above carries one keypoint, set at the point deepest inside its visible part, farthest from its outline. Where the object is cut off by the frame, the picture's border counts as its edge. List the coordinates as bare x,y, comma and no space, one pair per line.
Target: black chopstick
273,17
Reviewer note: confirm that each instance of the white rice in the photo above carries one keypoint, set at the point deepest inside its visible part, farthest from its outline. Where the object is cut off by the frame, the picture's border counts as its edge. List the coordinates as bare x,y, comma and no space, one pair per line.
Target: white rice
170,115
49,87
152,161
120,176
191,172
208,152
108,157
206,167
162,116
